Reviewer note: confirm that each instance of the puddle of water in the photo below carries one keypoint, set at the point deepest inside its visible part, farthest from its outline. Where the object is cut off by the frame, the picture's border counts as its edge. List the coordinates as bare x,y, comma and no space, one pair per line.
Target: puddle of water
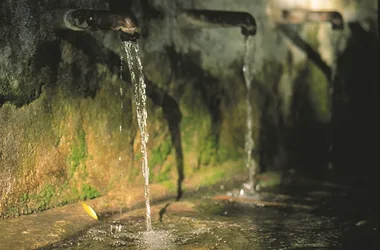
233,224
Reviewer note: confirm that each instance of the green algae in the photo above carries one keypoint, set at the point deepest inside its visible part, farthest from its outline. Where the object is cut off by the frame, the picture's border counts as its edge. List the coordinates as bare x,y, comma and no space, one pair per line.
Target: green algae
159,154
78,154
88,192
318,83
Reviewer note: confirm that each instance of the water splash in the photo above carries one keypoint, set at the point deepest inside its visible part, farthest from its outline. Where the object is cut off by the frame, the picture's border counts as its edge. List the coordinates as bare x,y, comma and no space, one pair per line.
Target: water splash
156,240
249,143
140,100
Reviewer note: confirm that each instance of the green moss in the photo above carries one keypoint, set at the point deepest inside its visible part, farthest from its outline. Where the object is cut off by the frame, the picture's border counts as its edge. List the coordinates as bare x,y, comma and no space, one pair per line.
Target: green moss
160,167
170,184
50,196
78,154
312,34
208,152
319,93
24,198
88,192
198,137
166,147
318,85
159,154
196,122
74,194
187,133
45,197
227,153
134,172
138,156
13,211
217,175
164,174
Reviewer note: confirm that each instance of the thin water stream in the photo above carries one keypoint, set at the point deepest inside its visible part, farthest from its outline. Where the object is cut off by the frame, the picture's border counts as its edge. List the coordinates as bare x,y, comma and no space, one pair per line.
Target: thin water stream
121,92
336,43
132,50
249,143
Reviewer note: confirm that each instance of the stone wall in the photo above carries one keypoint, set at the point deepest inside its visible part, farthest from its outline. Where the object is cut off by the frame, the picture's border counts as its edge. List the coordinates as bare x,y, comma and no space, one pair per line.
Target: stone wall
60,109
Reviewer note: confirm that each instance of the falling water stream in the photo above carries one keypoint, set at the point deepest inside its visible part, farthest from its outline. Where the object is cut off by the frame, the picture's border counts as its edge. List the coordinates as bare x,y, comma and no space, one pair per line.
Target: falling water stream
121,92
249,143
140,100
337,37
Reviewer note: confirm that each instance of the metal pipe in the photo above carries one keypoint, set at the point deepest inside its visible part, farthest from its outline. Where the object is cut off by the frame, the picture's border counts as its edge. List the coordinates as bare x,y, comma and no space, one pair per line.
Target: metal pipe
297,16
93,20
215,19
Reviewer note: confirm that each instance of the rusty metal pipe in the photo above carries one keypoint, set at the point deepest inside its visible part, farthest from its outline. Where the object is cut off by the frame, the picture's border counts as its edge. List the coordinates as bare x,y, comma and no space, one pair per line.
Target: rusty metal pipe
296,16
93,20
213,19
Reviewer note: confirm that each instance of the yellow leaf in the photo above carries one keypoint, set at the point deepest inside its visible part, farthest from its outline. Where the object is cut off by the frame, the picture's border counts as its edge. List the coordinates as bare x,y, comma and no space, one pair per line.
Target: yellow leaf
90,211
